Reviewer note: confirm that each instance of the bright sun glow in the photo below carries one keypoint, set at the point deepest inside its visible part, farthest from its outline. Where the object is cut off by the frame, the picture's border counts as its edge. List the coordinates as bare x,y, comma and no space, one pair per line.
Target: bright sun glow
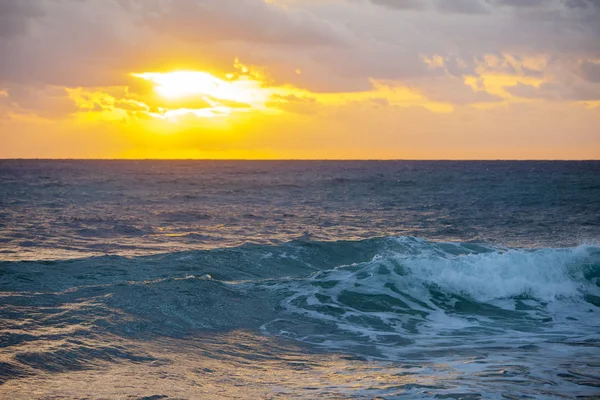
185,84
173,85
222,97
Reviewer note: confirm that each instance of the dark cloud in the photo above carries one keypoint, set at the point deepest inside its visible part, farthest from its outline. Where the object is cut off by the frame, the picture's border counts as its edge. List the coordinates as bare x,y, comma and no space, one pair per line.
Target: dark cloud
462,6
401,4
239,20
582,3
446,6
16,16
484,6
520,3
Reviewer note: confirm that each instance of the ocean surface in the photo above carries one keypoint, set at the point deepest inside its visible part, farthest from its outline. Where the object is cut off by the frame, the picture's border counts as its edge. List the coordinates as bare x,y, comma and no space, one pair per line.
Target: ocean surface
318,280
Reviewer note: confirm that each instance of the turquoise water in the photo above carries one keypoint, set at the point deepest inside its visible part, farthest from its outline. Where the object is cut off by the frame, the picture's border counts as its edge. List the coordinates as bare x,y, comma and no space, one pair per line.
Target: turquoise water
303,280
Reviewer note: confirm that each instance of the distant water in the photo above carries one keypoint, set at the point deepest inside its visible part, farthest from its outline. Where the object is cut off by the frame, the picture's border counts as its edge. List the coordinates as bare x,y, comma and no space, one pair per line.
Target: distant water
156,280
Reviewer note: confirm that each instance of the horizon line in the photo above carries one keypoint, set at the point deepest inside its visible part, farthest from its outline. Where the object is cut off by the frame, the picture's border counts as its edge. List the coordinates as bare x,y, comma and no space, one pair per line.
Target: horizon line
309,159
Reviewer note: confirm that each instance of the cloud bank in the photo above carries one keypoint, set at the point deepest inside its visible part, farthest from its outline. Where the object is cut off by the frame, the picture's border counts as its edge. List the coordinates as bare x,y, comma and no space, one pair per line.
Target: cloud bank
425,73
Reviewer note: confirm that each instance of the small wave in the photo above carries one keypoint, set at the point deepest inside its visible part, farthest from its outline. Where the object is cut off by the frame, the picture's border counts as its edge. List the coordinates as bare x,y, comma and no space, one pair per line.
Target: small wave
114,231
184,216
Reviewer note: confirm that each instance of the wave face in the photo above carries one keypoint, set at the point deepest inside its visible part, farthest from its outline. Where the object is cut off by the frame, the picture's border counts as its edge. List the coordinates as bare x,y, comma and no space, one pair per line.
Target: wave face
423,297
483,319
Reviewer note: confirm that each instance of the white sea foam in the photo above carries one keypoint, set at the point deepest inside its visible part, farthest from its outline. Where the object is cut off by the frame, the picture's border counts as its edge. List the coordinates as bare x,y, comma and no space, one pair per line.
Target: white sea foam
431,297
546,274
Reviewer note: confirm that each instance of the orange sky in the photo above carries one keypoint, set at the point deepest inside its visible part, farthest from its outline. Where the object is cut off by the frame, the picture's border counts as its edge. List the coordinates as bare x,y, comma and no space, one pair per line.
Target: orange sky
306,79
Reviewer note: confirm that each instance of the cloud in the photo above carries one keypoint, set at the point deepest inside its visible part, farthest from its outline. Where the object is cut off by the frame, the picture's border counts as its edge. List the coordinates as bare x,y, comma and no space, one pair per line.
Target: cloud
445,6
520,3
402,4
590,71
295,104
582,3
98,42
455,91
462,6
557,91
253,21
453,53
16,17
49,102
72,43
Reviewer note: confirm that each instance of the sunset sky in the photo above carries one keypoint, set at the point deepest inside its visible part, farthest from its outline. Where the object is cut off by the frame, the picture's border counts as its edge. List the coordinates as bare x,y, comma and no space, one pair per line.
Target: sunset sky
306,79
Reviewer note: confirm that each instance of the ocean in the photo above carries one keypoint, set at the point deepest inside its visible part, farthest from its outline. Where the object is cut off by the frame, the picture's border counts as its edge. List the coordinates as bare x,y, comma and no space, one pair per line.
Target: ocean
299,279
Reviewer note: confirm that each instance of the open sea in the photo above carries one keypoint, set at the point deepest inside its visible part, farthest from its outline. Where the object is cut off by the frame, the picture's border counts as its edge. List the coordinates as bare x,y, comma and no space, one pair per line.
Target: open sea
287,279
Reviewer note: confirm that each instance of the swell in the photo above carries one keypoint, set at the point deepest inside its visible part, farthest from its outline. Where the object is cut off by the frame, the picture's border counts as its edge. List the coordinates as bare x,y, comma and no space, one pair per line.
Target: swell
65,315
247,262
368,297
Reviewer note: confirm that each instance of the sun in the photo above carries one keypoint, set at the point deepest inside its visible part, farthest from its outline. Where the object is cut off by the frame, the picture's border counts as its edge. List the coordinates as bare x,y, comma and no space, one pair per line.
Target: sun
180,84
174,85
220,97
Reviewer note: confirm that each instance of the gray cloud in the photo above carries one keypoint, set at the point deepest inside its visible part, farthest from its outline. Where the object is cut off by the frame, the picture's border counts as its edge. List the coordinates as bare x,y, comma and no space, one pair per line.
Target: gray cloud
445,6
590,71
520,3
16,16
401,4
462,6
75,43
44,101
98,42
339,46
582,3
238,20
455,6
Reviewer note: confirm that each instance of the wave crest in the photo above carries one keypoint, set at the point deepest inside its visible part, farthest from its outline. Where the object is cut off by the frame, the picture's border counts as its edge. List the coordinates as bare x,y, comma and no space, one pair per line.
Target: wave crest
416,289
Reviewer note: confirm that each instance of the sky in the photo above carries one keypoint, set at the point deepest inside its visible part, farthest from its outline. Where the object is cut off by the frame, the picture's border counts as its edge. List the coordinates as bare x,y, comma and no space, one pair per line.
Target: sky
300,79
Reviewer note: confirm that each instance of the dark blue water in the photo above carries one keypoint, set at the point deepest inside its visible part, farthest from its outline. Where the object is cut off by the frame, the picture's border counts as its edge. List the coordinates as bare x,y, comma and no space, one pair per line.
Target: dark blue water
56,209
133,279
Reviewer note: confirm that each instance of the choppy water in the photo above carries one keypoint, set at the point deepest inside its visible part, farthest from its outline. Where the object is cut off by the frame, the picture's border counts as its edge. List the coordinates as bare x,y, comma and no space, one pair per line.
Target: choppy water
299,279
